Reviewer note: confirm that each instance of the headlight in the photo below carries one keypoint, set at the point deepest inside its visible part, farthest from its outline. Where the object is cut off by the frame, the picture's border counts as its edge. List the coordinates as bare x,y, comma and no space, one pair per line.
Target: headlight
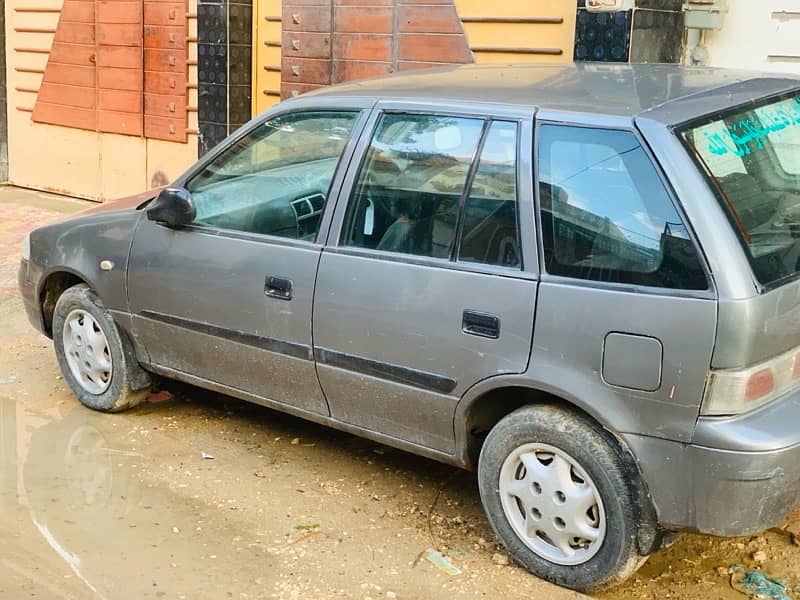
25,251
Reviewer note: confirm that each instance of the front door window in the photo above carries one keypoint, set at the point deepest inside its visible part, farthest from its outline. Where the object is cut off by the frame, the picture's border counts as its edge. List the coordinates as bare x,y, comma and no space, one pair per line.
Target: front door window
274,180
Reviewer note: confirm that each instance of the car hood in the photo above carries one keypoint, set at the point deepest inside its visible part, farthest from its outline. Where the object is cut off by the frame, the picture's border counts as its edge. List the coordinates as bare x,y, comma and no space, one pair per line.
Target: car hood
126,203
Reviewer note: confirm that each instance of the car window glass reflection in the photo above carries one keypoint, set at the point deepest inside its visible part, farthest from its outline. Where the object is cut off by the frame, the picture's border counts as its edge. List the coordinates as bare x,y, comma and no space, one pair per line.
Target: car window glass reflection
407,195
606,215
274,180
490,233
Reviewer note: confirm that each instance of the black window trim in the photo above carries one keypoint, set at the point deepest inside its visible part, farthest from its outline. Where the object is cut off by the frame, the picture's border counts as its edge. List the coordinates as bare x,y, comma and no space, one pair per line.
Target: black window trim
336,243
708,293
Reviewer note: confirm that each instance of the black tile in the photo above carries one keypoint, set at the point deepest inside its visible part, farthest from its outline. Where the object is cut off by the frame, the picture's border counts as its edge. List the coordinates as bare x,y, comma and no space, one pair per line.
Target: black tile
211,134
240,65
673,5
212,103
240,23
656,37
239,104
212,23
212,63
224,63
602,37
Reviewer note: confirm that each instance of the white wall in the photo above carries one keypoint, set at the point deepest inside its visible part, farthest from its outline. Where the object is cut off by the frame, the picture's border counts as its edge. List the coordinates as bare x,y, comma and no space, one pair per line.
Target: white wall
759,35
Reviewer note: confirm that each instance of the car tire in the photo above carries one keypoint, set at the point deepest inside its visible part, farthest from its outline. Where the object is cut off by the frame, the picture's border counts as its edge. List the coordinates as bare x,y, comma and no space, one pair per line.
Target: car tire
85,335
559,463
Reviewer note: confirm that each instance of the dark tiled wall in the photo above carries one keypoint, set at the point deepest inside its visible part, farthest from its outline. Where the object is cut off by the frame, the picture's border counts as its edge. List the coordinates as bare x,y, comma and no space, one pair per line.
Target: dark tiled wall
651,32
240,28
657,36
224,48
603,37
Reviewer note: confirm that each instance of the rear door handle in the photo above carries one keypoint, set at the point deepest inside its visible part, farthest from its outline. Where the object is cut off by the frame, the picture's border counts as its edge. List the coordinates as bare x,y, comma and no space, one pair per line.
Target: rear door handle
278,287
481,324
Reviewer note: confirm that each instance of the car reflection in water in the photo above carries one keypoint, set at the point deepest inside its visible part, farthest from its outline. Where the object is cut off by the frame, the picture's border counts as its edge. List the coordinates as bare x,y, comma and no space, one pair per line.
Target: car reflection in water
78,489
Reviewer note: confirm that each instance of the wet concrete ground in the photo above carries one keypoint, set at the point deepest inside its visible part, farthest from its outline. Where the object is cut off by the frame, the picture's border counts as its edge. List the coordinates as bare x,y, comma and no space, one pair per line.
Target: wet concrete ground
125,506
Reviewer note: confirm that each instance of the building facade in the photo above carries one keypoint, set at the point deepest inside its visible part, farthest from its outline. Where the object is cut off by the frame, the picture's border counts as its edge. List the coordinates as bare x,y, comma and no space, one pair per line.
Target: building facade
105,98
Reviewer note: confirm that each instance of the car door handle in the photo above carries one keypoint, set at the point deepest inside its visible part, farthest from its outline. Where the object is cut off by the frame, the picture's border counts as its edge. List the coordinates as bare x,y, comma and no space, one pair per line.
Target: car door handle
481,324
278,287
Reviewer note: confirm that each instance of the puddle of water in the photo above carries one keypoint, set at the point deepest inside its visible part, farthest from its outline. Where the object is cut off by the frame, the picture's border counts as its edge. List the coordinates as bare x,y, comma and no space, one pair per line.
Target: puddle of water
73,499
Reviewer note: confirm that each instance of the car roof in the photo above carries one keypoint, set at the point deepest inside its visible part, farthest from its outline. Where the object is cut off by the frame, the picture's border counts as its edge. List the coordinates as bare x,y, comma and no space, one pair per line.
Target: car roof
622,90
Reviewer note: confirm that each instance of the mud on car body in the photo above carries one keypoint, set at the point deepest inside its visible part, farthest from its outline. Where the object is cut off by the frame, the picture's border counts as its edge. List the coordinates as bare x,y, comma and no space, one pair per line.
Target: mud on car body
581,281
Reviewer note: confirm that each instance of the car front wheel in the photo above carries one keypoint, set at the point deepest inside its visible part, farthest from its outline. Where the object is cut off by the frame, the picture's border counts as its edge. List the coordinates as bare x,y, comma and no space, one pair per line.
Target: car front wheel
555,492
95,357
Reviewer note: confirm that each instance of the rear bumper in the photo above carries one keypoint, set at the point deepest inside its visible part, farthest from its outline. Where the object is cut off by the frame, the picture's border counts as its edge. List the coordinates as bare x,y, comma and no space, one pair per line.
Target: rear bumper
746,483
27,290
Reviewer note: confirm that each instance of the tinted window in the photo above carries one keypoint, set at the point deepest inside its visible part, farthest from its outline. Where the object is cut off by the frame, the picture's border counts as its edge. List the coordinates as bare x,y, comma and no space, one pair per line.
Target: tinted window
751,156
275,179
490,234
606,215
409,188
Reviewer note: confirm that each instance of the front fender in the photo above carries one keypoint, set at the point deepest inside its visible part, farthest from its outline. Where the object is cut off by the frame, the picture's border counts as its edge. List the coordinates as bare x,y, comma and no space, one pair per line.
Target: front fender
78,246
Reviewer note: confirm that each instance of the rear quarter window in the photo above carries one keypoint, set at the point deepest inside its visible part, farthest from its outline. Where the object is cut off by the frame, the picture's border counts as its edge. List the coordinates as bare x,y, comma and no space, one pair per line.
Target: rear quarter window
606,215
751,157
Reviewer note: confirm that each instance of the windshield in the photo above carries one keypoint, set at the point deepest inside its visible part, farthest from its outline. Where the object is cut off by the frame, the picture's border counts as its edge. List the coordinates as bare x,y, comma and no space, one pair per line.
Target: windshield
752,156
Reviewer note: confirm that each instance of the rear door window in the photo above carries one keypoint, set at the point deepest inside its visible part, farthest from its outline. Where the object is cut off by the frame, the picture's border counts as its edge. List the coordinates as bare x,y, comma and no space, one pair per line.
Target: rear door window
408,193
606,215
490,234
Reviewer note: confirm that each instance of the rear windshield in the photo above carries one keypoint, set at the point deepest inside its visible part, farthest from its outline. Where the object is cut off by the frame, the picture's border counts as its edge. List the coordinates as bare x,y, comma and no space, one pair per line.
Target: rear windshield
752,157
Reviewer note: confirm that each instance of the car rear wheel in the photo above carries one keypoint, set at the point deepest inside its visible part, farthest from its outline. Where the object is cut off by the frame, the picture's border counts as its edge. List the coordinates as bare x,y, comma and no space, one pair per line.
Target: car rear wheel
556,494
95,357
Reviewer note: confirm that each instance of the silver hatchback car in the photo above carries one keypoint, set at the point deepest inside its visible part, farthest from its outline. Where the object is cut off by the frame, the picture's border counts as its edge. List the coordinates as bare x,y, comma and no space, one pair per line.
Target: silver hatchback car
583,281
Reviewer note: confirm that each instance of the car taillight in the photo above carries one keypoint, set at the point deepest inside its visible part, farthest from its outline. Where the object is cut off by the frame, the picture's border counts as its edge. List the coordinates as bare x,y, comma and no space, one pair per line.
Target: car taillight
796,369
759,385
734,391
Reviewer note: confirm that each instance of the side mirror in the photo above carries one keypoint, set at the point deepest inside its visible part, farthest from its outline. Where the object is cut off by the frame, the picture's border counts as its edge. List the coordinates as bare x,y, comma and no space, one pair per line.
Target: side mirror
172,207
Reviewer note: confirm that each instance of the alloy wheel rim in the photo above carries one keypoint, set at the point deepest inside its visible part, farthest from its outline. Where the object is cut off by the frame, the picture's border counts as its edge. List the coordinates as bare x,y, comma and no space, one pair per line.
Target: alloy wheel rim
552,504
87,352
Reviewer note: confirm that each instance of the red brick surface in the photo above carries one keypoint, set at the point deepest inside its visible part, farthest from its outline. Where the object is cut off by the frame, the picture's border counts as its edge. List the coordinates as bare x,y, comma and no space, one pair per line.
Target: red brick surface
165,37
157,82
306,45
114,65
429,19
113,11
119,56
364,19
307,70
354,46
79,11
71,75
289,90
83,97
165,13
306,18
367,38
119,100
78,33
434,48
347,70
168,61
111,78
